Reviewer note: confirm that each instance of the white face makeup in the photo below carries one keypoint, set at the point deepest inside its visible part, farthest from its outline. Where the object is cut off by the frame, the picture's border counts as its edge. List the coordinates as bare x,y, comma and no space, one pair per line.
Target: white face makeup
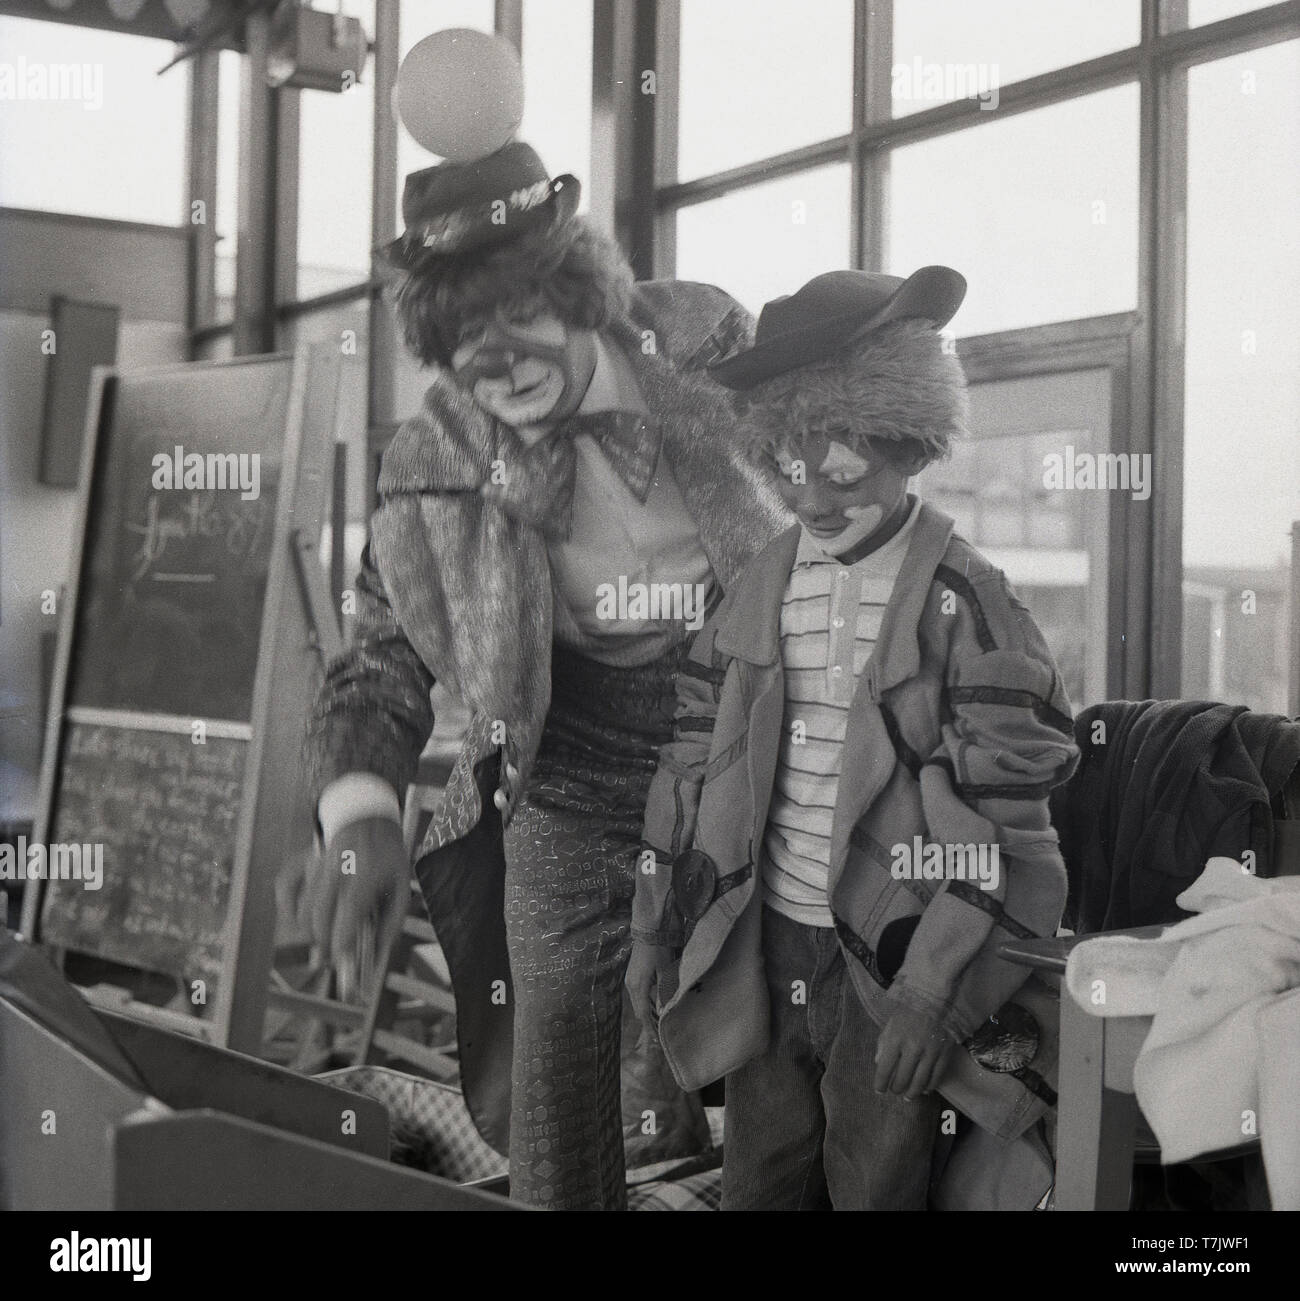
840,496
523,386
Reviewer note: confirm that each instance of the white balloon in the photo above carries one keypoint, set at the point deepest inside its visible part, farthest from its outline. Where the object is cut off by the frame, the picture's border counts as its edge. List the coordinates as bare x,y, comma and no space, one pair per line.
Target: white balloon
460,93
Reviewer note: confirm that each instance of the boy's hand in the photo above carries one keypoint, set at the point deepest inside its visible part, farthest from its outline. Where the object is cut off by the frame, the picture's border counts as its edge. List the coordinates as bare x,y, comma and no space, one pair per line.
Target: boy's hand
912,1054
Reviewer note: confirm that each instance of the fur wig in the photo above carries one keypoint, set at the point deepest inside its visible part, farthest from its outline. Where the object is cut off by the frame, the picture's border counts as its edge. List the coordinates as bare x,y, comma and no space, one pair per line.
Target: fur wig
570,269
895,393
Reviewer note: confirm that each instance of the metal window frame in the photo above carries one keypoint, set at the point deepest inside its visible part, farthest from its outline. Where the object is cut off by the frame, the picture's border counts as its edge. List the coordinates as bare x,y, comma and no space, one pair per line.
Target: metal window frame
1146,537
632,135
635,194
1112,343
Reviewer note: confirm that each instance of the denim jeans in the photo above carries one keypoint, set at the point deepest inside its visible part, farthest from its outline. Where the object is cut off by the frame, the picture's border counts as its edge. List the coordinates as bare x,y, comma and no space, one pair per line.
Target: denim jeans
805,1130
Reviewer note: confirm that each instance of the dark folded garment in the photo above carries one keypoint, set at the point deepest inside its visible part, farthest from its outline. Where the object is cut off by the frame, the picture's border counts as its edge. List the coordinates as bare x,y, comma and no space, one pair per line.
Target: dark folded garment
1161,787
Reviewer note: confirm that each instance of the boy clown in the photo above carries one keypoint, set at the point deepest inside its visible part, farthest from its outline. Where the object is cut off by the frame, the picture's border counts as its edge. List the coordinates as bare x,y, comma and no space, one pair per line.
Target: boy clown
869,682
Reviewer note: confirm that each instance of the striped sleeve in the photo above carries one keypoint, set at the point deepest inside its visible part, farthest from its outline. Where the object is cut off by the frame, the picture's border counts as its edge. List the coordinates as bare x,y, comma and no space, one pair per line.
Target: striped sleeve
1006,741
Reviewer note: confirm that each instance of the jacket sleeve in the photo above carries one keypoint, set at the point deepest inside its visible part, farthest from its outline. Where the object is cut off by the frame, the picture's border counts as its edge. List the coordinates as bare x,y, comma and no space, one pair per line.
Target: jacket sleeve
674,799
707,323
734,329
1007,739
372,713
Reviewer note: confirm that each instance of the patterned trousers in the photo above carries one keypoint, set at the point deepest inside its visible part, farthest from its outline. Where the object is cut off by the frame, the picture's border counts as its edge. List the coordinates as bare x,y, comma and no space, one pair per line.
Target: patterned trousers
570,874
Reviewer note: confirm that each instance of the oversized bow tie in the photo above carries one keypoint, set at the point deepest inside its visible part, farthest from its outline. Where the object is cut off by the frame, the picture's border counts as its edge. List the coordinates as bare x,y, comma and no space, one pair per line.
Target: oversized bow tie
541,488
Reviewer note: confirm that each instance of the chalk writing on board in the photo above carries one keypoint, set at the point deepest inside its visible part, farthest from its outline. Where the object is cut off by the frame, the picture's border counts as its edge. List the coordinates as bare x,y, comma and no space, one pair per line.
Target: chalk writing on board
173,581
165,811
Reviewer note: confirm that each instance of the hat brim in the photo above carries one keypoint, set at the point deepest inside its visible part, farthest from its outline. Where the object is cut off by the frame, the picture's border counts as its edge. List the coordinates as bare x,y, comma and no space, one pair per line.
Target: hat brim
931,294
566,193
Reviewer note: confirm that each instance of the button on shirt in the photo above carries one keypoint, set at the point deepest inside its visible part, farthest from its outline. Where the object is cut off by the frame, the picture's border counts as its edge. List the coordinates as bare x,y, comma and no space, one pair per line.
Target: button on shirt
830,622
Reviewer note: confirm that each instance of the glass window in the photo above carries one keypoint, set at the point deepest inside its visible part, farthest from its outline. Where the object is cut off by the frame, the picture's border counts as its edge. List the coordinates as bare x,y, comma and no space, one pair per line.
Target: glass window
229,68
557,86
1241,468
336,162
1038,211
88,126
1200,12
759,77
955,49
421,18
1050,540
767,239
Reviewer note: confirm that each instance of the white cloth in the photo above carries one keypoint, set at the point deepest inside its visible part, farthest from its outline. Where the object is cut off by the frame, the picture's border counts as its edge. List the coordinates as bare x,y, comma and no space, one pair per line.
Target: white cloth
1221,1063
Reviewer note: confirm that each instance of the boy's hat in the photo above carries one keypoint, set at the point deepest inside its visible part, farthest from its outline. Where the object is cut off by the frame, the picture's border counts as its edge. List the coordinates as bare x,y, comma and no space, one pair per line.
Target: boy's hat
830,311
453,207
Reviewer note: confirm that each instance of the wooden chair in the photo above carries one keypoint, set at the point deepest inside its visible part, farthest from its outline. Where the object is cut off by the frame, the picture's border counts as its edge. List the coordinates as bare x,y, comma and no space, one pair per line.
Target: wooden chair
414,990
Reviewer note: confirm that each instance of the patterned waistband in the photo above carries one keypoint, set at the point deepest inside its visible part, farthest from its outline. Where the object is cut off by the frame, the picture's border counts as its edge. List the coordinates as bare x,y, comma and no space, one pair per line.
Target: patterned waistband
628,710
600,745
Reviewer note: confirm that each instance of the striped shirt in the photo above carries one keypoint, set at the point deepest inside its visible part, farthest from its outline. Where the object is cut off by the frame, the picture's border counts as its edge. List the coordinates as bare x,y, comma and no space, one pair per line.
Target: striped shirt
830,621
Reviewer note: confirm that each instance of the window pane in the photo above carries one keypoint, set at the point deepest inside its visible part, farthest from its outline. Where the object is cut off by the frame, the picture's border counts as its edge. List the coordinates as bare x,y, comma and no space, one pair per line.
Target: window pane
1210,11
557,86
1051,543
768,239
1241,485
1038,212
953,49
228,92
421,18
336,169
88,127
758,77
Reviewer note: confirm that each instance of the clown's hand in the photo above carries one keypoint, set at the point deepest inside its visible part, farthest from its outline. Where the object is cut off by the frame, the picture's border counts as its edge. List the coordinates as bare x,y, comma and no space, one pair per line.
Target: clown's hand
358,891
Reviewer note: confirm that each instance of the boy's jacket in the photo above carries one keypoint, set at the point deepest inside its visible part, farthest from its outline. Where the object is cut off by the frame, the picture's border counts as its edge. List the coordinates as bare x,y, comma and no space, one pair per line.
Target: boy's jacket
958,729
456,587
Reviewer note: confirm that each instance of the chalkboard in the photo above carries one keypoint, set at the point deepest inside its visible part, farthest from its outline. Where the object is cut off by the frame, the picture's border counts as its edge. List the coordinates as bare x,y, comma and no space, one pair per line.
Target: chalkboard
175,577
185,669
161,813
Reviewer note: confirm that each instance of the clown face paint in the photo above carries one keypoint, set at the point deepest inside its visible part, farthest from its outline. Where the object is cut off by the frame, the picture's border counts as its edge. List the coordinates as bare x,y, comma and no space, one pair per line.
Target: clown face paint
527,373
840,496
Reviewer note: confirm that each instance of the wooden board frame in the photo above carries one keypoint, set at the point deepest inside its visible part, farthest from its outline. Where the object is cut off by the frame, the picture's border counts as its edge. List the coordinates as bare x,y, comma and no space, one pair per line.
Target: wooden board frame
287,674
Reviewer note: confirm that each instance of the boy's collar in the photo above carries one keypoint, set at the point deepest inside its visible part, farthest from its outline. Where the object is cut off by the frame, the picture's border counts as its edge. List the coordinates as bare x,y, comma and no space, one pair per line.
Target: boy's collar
751,628
812,552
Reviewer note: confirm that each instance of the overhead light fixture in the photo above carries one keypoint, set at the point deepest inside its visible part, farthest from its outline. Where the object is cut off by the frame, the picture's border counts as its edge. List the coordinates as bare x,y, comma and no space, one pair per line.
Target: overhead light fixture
186,13
315,51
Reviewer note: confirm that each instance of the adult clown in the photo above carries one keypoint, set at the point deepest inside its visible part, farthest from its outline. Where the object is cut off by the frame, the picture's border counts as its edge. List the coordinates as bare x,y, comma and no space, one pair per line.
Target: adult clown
570,443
